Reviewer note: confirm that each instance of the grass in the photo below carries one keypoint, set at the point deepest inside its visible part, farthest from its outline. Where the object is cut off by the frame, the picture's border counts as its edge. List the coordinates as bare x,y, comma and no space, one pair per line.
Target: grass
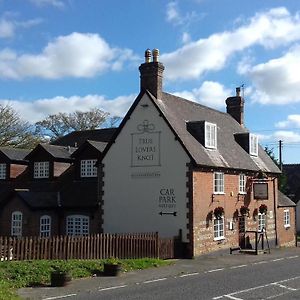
17,274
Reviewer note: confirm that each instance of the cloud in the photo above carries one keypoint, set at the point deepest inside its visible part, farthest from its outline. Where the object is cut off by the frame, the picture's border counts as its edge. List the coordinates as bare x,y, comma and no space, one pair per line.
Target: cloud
210,93
293,121
7,29
269,29
284,71
55,3
285,135
172,13
74,55
39,109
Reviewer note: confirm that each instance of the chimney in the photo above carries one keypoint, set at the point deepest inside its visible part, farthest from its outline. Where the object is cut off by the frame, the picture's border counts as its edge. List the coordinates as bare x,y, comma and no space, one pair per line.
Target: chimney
152,73
235,106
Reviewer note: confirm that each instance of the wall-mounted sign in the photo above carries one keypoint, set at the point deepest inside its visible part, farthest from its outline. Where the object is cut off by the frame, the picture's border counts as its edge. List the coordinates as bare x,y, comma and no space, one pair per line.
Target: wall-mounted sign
145,146
260,190
167,198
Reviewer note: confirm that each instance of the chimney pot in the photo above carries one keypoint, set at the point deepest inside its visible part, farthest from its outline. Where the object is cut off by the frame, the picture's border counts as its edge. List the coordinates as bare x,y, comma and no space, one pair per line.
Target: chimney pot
155,54
238,91
147,55
235,106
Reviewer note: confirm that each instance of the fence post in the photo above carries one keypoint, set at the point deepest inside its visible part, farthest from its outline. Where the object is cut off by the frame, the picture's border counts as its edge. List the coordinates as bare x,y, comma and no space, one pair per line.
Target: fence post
157,244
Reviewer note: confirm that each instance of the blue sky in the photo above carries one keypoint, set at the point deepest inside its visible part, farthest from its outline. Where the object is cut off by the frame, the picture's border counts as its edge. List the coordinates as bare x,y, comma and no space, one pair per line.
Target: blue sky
66,55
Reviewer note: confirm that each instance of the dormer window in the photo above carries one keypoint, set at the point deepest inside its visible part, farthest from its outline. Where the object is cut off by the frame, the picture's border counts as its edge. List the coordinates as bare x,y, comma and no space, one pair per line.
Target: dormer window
2,171
88,168
253,142
210,135
41,169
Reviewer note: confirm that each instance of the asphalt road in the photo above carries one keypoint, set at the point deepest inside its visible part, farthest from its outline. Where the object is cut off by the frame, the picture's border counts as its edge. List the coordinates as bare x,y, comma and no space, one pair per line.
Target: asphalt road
239,277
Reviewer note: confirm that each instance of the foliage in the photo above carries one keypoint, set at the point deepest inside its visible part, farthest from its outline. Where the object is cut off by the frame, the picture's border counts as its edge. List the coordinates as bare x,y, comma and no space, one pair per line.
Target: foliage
17,274
219,212
244,210
263,209
14,132
60,124
282,179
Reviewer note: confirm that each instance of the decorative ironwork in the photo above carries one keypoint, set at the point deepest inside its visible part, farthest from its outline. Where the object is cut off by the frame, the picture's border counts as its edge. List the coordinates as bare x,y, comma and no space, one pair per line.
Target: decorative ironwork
146,126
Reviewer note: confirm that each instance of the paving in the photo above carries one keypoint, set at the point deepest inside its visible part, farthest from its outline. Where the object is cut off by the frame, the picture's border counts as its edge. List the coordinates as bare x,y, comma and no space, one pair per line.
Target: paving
180,267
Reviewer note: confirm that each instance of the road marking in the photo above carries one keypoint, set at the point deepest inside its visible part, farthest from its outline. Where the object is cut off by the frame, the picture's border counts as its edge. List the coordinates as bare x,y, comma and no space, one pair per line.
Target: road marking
60,297
284,287
260,262
155,280
278,259
233,298
240,266
112,288
189,274
291,257
215,270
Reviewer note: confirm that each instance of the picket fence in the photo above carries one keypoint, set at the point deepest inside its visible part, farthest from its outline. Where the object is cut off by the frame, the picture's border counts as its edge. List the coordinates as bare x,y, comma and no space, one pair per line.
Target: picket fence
98,246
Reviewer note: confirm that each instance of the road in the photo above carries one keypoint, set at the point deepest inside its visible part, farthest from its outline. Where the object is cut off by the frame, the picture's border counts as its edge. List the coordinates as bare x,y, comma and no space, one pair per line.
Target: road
238,278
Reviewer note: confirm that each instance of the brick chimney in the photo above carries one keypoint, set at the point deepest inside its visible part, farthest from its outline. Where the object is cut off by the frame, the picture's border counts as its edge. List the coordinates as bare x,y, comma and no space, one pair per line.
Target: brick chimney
235,106
152,73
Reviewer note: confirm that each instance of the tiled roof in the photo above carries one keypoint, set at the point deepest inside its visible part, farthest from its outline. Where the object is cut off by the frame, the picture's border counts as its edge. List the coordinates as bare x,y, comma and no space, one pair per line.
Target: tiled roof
15,154
284,201
77,138
58,152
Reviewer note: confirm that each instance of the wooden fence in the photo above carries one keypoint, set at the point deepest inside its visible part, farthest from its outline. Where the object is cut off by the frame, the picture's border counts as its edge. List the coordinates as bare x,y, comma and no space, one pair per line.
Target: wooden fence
99,246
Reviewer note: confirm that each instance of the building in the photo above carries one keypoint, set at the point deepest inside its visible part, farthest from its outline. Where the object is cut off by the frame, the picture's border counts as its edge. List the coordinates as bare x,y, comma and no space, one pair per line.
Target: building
183,169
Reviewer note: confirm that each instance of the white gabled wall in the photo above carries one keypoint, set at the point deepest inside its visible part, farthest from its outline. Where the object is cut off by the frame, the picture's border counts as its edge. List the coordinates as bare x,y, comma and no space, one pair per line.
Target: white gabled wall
145,175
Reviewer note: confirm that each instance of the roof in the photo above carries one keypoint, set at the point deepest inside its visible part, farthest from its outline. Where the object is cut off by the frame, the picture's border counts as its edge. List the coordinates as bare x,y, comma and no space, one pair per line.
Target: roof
39,199
99,146
284,201
77,138
15,154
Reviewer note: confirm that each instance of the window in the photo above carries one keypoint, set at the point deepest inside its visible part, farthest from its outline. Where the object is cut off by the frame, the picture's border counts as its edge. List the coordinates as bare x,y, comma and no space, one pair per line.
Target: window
261,221
2,171
88,168
77,225
287,218
16,223
210,135
219,228
253,149
219,183
242,184
45,226
41,169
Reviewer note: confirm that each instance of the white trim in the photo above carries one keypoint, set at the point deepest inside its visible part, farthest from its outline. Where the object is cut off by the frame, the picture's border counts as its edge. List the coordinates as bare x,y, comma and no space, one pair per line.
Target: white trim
242,184
41,169
16,223
45,227
261,225
77,225
87,168
287,224
219,183
210,135
253,144
219,237
2,171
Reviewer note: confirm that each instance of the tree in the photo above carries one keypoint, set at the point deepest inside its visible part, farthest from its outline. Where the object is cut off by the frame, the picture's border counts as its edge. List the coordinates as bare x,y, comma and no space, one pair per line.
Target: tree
282,179
14,132
62,123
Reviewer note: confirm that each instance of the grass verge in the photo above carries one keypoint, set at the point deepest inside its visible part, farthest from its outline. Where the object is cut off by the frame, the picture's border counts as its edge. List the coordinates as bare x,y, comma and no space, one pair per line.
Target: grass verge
17,274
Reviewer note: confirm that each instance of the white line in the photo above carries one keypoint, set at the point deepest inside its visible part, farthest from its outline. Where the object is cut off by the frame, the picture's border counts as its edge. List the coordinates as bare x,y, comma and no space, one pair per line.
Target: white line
154,280
260,262
190,274
284,287
233,298
215,270
60,297
112,288
240,266
216,298
290,257
278,259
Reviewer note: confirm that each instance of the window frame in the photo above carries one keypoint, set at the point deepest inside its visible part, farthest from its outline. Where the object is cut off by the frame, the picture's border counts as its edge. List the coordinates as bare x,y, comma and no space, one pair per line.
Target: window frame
88,169
84,227
41,169
287,218
219,183
16,223
253,144
219,228
242,184
3,170
262,221
45,229
210,135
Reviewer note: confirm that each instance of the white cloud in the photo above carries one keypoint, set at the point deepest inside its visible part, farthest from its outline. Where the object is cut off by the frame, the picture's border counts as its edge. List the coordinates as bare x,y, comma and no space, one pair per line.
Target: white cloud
293,121
173,15
285,135
186,38
7,29
269,29
210,93
283,71
55,3
74,55
39,109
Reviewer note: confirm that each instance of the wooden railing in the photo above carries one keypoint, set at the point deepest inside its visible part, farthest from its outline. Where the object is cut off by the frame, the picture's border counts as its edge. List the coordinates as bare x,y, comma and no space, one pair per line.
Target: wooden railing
98,246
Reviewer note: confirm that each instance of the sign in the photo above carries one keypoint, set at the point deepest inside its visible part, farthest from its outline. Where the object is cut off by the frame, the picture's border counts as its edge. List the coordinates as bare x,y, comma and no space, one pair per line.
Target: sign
167,198
260,190
145,146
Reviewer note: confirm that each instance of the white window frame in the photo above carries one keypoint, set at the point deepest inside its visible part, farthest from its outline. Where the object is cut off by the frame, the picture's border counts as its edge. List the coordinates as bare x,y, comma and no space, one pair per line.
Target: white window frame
41,169
218,183
242,183
210,134
253,144
262,221
287,218
87,168
16,223
219,229
45,226
2,171
77,225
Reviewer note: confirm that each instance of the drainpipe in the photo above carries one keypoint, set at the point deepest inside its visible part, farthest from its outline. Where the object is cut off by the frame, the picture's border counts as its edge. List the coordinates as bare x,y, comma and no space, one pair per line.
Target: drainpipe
275,211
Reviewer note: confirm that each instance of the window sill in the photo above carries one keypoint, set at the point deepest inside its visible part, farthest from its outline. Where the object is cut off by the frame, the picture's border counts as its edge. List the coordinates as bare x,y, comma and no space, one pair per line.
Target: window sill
219,193
287,226
243,193
219,239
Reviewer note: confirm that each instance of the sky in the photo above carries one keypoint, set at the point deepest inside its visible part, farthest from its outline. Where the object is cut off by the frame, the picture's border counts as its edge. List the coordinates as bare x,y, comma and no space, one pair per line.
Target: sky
67,55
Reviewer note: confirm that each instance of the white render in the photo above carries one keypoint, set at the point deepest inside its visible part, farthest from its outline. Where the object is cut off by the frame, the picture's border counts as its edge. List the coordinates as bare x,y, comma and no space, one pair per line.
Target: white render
145,173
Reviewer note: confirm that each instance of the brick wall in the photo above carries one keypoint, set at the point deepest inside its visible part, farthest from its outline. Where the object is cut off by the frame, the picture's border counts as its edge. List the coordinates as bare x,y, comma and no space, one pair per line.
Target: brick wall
16,170
204,203
286,235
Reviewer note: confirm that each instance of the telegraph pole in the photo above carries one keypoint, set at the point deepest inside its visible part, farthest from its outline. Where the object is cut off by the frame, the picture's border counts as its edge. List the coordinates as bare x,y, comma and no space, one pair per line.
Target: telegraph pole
280,154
